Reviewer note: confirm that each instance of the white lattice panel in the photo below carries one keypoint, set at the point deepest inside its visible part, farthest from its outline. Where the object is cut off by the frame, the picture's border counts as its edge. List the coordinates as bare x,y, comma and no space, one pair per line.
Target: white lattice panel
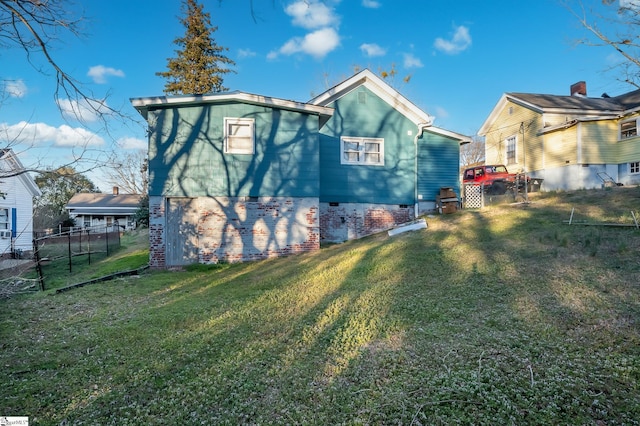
473,197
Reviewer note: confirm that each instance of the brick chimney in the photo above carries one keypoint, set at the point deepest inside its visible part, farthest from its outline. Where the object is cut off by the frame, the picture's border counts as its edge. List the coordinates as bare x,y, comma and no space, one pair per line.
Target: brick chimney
579,89
116,190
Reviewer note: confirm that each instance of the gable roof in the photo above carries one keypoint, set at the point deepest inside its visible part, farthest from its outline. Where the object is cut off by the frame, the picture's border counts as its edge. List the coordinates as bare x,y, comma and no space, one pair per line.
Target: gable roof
17,170
103,204
576,105
143,105
391,96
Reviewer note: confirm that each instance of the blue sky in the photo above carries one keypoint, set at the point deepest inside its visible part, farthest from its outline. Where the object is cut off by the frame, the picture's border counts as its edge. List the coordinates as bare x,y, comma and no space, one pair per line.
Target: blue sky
461,55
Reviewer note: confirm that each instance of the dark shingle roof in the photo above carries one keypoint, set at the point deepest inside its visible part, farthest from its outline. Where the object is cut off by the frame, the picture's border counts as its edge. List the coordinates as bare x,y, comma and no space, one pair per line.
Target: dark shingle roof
616,104
103,201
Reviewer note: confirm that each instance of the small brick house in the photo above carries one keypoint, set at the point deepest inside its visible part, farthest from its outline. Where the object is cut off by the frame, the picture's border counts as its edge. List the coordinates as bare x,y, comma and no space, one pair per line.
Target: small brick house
237,176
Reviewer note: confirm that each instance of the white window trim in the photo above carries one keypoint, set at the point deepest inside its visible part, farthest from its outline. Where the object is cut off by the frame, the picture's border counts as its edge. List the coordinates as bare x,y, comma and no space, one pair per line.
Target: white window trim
361,141
638,167
515,151
635,120
228,121
6,225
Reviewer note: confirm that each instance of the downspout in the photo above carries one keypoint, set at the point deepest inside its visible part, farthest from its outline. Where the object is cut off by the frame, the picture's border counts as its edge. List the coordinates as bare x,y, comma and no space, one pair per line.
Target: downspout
421,127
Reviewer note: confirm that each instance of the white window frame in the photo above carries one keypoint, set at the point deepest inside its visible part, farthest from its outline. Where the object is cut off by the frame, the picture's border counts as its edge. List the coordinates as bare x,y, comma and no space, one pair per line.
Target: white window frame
631,132
229,123
507,142
347,147
5,220
634,167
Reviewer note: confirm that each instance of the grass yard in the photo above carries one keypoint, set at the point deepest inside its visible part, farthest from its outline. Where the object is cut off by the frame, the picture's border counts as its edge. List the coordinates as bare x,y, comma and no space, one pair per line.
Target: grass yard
500,316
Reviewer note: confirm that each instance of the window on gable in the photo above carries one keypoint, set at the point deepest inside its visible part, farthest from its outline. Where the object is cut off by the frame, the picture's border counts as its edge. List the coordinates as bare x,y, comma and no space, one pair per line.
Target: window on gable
634,167
239,135
365,151
511,149
628,129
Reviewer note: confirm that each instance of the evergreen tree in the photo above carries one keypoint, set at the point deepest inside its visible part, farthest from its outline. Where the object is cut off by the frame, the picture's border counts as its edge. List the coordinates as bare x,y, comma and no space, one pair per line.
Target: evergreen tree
200,65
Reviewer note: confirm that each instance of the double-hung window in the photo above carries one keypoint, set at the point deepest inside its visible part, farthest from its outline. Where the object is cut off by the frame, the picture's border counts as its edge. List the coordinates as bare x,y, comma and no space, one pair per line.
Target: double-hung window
634,167
4,219
628,129
364,151
239,135
511,144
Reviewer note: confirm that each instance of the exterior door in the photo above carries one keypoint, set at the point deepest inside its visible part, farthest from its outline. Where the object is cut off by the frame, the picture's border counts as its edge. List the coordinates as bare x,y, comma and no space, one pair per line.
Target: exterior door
181,231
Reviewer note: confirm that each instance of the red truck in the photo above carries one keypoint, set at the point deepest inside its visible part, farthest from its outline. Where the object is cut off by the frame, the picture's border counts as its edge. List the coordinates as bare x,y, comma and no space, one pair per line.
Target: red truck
496,178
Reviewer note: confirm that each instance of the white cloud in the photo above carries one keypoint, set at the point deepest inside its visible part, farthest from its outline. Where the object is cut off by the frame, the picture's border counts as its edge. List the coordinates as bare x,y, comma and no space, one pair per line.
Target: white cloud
441,112
132,143
246,53
41,134
311,14
410,61
15,88
459,42
99,73
371,4
85,110
372,49
630,4
316,44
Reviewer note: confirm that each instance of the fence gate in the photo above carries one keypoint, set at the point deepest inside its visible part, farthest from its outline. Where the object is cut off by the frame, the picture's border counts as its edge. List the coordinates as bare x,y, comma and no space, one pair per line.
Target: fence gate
181,232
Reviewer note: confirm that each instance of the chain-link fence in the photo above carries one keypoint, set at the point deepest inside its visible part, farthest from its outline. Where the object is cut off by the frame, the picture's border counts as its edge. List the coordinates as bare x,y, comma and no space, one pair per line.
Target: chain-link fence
60,253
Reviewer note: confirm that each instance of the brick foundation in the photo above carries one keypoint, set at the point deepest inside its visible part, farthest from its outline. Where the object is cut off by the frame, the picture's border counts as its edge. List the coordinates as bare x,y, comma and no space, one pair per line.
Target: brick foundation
239,229
348,221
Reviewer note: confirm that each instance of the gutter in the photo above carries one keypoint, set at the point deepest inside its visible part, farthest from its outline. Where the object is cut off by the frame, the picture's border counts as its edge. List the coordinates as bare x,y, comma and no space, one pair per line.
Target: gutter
421,127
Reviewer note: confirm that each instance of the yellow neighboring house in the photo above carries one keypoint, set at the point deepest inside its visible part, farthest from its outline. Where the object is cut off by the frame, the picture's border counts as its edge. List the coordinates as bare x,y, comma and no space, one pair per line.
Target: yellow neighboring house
572,142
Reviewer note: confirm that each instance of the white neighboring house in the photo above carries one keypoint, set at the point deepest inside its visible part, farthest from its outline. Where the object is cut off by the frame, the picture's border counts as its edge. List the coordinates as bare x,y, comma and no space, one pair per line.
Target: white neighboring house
90,209
16,205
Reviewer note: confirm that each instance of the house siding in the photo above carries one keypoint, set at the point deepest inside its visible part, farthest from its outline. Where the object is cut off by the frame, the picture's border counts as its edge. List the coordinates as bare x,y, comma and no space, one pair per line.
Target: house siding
370,198
561,148
235,207
628,149
599,141
17,196
192,162
362,113
508,123
437,156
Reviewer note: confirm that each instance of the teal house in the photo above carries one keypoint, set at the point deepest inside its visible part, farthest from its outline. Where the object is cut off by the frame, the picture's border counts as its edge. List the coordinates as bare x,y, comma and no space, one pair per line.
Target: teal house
237,176
382,162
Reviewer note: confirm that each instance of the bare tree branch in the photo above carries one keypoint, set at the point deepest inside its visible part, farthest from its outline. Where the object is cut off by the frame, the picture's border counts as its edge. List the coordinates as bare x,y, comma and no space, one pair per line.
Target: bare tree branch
31,24
624,36
129,172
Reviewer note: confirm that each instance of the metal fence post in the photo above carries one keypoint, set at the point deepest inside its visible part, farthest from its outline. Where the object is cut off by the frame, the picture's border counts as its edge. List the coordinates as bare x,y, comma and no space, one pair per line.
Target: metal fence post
69,238
36,254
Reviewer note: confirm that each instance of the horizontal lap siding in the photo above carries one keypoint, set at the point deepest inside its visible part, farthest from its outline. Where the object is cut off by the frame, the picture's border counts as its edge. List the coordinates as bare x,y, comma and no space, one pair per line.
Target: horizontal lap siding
187,154
438,165
363,114
629,150
508,124
17,196
561,147
599,141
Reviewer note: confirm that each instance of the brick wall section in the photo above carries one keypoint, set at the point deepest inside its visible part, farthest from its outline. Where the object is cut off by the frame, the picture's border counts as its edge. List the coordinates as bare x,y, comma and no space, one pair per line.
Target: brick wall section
156,232
236,229
348,221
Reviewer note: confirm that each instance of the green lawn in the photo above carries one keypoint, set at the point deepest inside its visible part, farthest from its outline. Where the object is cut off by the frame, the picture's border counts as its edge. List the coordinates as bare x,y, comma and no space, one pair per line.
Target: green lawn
500,316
